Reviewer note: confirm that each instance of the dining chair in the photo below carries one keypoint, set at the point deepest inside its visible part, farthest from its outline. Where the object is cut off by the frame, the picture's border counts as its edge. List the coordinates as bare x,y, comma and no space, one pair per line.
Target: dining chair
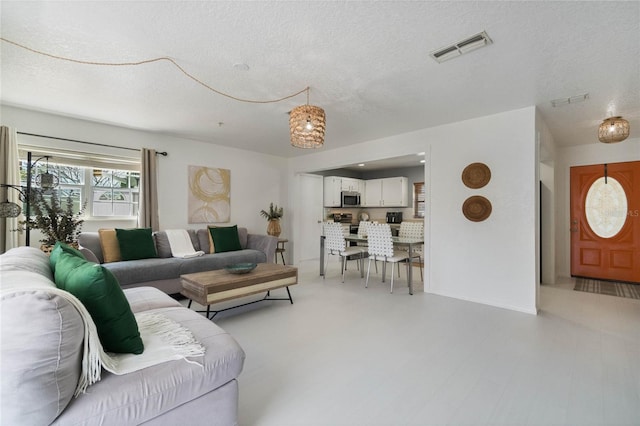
381,247
363,228
335,244
413,230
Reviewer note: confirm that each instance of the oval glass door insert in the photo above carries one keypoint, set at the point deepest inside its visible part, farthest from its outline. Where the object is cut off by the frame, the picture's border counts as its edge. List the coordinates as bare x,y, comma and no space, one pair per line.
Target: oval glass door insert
606,207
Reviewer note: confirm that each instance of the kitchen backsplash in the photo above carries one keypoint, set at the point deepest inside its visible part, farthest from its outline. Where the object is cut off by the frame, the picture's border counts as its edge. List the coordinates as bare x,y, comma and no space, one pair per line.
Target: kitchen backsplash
378,214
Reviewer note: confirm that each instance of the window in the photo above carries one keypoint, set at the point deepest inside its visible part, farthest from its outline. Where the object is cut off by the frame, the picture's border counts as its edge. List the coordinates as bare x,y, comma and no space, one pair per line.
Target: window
418,199
115,192
107,192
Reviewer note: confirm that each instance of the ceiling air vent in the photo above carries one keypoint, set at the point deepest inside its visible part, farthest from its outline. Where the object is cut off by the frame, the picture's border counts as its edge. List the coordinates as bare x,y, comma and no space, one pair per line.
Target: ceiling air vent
463,46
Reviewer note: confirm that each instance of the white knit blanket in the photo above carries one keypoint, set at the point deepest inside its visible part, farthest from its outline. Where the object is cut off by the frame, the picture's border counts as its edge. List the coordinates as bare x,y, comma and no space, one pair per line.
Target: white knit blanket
180,243
164,340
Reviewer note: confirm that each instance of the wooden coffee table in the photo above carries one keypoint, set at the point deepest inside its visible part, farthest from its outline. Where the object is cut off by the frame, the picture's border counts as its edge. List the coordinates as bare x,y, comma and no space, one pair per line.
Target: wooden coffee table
217,286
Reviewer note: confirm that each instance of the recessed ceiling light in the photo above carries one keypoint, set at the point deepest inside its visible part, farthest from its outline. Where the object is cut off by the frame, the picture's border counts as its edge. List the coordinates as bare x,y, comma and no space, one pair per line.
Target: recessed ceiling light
423,161
420,154
463,46
361,165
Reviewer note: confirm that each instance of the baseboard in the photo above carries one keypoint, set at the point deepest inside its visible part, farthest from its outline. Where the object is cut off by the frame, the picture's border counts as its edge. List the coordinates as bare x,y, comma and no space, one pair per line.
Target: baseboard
494,304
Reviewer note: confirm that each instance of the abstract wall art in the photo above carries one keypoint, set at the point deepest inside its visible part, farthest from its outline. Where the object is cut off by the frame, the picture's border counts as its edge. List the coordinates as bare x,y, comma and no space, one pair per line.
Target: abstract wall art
209,195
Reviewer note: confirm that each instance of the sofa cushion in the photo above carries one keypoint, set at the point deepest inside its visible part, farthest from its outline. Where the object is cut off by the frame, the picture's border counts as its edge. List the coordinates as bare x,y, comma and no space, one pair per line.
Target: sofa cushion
109,245
194,239
212,245
164,248
145,394
40,362
142,270
100,293
243,236
225,238
28,259
59,248
220,260
136,243
148,298
65,265
162,244
204,237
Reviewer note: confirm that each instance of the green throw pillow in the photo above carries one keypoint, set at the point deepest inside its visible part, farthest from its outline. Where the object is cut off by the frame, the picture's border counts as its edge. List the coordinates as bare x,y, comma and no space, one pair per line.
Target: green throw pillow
225,238
100,292
59,248
65,264
136,243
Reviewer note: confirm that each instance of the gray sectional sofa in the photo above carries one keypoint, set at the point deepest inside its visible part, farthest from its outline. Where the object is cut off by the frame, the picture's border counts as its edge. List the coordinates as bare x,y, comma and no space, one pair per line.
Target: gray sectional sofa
41,356
164,271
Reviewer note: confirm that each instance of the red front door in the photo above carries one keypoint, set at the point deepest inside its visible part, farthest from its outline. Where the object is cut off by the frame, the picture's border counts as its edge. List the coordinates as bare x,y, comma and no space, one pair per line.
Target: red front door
605,221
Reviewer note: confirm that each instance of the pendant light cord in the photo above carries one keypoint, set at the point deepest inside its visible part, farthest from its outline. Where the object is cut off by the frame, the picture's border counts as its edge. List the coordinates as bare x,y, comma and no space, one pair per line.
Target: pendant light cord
159,59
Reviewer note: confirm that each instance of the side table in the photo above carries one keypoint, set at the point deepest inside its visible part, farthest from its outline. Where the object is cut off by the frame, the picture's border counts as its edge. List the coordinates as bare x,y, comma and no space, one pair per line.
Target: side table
281,249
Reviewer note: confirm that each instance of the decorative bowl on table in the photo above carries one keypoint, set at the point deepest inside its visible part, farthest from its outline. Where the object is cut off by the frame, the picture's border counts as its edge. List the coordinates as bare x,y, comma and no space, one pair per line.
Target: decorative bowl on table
241,268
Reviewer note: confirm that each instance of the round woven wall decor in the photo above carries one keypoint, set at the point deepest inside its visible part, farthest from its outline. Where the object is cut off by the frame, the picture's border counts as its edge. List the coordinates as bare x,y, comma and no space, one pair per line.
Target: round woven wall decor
476,175
476,208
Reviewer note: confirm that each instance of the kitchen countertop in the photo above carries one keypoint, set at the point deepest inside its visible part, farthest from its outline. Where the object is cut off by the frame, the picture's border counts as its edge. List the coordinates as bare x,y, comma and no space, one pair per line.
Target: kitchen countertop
375,220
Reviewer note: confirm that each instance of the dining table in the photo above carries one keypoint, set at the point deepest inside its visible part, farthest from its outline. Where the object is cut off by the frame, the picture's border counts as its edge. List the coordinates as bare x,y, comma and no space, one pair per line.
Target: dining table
410,243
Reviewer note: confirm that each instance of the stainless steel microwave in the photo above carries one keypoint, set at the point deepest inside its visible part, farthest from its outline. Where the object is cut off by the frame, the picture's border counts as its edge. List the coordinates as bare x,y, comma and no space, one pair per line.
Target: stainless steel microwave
350,199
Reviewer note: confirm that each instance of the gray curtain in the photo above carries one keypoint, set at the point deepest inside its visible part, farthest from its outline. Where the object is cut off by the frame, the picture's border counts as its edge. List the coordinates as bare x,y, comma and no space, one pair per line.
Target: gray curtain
9,174
148,214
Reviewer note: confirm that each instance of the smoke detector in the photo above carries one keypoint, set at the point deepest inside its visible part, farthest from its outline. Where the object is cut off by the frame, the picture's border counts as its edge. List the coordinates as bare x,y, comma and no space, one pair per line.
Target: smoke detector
463,46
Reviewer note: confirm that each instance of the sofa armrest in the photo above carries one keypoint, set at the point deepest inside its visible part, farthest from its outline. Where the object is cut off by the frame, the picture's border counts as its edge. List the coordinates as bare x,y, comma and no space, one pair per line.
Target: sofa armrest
91,241
89,255
265,243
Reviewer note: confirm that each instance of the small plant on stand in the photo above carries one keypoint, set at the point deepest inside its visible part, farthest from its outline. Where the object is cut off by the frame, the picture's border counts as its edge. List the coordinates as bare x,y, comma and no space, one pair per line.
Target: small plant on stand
57,223
273,216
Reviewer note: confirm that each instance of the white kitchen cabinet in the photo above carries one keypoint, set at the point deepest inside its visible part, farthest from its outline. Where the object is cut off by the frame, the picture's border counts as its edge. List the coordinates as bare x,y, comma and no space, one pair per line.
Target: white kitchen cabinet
395,192
334,185
387,192
332,188
372,193
351,184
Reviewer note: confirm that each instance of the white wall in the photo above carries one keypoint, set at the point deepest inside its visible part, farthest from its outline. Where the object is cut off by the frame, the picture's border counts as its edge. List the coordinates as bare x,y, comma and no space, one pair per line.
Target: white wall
256,179
547,158
491,262
547,219
596,153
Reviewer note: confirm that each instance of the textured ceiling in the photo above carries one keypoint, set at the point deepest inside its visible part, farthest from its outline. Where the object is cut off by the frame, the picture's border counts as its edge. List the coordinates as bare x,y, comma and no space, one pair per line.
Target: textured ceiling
367,64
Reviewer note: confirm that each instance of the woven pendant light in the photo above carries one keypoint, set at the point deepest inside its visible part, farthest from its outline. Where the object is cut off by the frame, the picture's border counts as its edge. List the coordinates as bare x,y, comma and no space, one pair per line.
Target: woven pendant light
307,125
9,209
613,129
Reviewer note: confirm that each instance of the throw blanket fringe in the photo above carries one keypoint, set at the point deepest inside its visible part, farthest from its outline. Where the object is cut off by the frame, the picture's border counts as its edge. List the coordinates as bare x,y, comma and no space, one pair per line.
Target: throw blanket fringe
181,339
94,357
164,340
180,244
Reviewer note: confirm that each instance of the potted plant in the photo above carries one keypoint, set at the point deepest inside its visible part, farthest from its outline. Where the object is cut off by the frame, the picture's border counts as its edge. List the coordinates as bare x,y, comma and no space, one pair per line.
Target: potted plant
55,221
273,216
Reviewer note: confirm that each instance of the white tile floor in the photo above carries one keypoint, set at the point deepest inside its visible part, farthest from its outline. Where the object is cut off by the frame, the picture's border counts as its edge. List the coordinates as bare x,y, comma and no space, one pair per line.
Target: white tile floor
346,355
